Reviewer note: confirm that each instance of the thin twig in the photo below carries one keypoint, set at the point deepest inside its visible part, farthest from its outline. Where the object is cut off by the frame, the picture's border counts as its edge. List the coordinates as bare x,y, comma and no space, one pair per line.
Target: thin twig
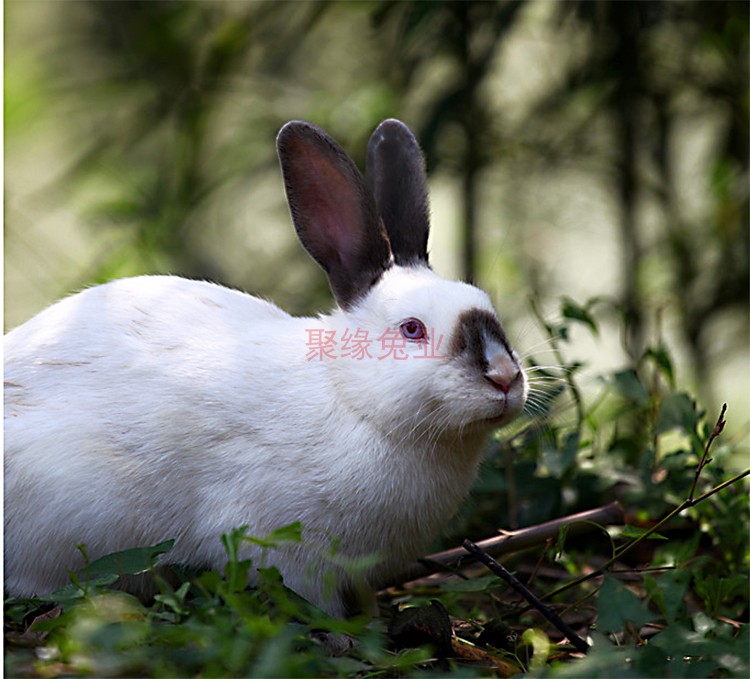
543,554
721,486
718,428
505,574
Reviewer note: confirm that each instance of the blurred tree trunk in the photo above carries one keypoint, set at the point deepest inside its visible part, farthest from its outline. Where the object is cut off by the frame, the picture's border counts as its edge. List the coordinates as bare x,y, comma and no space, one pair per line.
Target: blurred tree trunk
625,69
702,293
471,160
643,94
468,34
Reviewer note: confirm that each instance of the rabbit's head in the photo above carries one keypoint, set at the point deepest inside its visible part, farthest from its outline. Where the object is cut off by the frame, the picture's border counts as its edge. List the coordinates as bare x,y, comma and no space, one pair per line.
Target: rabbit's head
412,352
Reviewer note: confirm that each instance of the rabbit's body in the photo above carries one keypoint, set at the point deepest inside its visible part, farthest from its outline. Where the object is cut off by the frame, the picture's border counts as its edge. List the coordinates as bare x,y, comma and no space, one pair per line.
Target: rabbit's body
156,407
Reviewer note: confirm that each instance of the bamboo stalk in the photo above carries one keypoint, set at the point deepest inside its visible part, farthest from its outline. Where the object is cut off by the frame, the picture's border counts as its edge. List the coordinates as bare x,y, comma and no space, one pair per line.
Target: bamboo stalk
513,541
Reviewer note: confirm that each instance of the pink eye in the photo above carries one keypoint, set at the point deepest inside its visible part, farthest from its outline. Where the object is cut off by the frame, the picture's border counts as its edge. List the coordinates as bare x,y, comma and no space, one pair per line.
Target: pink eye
413,330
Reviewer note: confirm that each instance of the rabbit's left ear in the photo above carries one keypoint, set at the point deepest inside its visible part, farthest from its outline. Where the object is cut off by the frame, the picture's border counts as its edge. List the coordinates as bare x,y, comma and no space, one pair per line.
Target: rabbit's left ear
396,177
333,212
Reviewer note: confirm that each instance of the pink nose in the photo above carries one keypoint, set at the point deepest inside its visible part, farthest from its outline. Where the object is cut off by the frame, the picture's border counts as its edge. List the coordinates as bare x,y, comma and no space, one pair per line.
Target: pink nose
503,371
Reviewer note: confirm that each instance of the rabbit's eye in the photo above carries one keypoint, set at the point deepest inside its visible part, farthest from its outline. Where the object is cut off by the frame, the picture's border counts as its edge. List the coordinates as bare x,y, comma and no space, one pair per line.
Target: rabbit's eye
413,330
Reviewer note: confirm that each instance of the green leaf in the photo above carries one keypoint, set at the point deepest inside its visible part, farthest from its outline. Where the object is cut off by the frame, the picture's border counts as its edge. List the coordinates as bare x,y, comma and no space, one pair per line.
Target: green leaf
668,591
480,584
676,553
77,591
662,359
558,461
106,570
290,533
636,532
129,561
677,411
604,660
575,312
540,644
174,600
211,581
562,537
616,604
629,385
715,589
712,644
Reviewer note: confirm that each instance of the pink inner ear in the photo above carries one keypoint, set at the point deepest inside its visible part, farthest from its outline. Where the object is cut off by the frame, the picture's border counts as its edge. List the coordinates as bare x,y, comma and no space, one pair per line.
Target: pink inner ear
332,204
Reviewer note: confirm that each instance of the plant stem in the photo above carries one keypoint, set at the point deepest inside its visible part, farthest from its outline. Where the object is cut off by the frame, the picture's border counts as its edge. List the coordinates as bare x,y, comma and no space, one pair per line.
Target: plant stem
568,375
505,574
718,428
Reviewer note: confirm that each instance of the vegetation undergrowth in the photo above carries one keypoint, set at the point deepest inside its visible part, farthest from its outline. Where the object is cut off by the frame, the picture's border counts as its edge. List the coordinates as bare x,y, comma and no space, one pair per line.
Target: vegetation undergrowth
663,593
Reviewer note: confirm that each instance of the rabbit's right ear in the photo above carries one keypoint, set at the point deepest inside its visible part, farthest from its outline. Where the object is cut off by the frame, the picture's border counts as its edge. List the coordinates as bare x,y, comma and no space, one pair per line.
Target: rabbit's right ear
396,177
334,214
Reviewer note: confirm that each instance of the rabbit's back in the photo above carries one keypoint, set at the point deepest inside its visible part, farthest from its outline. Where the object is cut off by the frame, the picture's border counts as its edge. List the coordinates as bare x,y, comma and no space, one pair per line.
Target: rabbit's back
147,409
157,309
138,350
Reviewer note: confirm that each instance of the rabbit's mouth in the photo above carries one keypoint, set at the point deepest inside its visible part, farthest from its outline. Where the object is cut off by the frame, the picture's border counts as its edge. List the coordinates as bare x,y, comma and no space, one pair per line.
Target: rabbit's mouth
510,407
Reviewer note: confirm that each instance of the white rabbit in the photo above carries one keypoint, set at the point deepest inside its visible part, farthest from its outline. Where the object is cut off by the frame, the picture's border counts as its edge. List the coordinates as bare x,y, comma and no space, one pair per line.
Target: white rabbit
156,407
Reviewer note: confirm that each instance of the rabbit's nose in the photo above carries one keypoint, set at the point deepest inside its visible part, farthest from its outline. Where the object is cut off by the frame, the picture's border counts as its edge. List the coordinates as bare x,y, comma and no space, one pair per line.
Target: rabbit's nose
503,371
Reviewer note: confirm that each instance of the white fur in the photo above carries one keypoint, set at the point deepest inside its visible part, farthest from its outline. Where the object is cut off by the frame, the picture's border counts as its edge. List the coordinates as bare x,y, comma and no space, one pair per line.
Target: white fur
156,407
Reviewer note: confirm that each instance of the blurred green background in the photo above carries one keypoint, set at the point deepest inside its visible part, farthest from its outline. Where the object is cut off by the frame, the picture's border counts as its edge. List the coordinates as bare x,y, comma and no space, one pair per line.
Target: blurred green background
590,150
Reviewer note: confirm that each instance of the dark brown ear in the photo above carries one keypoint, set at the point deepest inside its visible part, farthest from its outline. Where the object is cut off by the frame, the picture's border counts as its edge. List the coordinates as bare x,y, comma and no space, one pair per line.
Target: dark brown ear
396,177
333,212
